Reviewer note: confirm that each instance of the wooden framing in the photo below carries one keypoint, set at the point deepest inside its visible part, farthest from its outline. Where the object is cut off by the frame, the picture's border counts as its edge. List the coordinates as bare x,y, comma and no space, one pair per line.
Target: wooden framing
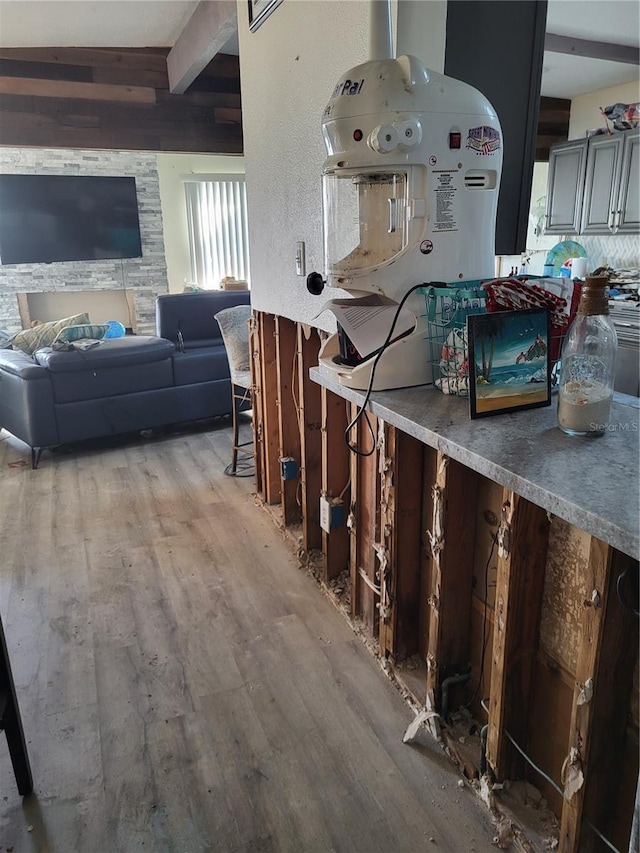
269,416
400,522
206,33
608,648
452,540
522,555
310,406
119,98
418,535
364,562
255,349
335,478
289,417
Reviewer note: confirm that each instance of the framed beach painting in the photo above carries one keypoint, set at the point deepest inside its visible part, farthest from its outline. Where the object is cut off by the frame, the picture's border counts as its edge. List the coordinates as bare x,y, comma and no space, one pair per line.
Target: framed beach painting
509,361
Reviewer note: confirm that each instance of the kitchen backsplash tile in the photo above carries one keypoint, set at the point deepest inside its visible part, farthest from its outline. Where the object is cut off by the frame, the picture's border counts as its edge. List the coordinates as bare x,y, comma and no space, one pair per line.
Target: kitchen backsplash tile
617,250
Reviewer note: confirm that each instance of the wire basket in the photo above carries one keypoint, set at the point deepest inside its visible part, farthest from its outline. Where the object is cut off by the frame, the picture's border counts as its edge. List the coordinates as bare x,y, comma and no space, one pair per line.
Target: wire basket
447,312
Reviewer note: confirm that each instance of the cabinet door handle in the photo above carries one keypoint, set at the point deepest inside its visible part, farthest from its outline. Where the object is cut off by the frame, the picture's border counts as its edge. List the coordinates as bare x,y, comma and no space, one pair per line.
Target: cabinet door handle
612,221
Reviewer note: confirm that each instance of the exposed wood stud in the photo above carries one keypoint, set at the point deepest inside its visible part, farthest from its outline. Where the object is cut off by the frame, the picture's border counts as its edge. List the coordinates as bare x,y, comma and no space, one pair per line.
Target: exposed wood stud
400,521
256,393
452,538
428,480
288,414
608,646
612,692
522,540
335,476
269,387
310,403
367,522
352,520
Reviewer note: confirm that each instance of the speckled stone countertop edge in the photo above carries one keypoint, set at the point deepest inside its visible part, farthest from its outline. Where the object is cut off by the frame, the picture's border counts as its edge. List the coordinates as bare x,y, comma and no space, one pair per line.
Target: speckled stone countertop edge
594,486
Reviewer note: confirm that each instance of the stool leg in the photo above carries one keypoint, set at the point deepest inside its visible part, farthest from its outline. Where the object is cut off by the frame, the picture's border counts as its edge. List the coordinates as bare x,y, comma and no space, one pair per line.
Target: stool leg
12,724
17,748
236,428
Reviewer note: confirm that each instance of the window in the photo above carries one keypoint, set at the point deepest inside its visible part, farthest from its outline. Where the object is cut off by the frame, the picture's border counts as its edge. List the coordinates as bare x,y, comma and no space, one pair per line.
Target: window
218,232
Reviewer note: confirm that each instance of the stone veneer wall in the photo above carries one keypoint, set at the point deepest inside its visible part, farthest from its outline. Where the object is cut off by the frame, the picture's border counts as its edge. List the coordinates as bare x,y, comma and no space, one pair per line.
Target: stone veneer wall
145,276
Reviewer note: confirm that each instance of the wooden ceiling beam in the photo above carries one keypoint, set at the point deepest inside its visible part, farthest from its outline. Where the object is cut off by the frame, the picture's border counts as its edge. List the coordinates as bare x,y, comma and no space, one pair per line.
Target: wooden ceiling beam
206,33
626,54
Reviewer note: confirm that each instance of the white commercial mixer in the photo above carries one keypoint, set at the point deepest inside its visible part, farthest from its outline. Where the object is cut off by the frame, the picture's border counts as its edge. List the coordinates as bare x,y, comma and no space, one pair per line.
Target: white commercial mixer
410,191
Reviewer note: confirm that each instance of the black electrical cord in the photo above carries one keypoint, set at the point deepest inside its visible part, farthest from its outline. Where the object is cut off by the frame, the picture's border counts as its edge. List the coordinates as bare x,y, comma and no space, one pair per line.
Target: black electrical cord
362,409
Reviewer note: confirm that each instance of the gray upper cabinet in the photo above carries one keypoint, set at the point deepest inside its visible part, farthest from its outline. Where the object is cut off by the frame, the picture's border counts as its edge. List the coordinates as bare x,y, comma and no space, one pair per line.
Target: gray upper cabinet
566,187
628,210
593,185
601,185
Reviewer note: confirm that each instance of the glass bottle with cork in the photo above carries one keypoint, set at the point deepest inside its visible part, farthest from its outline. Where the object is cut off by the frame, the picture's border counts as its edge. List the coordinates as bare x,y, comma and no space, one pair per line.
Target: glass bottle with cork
588,363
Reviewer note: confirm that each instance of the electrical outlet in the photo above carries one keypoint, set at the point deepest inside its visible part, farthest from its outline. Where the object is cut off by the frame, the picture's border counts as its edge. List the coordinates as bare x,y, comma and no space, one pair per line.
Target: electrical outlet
331,513
301,266
325,514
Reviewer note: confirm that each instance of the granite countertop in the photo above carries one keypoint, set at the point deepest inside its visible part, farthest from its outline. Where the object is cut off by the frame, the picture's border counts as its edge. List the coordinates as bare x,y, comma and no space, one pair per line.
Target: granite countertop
592,483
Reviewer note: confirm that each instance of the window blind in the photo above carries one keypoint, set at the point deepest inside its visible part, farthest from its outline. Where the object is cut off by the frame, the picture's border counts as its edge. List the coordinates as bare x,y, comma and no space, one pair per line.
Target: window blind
218,230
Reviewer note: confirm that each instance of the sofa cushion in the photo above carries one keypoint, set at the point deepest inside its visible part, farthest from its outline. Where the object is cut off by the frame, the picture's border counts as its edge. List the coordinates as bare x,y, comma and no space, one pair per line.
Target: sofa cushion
43,335
200,365
111,352
114,367
191,315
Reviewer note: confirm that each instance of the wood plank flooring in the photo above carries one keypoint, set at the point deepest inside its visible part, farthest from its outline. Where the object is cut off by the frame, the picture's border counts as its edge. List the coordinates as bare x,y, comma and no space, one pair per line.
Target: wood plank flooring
184,685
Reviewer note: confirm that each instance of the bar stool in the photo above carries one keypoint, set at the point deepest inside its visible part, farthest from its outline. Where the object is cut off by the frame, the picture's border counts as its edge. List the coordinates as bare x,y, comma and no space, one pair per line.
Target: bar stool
234,329
11,722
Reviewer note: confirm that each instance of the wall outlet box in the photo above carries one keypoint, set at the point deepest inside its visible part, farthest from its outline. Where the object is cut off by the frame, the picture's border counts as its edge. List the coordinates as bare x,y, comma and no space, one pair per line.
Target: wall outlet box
331,513
288,468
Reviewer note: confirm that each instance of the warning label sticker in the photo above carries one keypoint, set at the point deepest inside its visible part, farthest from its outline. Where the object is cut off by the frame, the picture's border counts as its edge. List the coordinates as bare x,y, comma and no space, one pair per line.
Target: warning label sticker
445,201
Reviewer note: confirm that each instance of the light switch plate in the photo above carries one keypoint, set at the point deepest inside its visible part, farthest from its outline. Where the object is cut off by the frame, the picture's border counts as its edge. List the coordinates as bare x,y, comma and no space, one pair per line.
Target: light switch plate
300,258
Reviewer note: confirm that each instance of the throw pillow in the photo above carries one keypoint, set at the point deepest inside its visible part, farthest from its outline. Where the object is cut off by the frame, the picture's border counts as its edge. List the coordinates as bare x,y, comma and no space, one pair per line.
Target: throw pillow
76,333
29,340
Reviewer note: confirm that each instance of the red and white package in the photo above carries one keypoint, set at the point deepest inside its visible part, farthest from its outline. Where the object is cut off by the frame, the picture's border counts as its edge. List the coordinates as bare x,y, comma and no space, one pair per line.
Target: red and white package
560,296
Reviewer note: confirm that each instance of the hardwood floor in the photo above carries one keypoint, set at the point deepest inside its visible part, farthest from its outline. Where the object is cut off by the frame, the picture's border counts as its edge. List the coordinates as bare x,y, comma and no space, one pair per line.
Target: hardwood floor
184,685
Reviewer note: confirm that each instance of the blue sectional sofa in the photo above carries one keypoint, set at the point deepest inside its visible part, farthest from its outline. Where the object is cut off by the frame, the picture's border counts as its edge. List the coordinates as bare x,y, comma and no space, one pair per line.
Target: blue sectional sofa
122,385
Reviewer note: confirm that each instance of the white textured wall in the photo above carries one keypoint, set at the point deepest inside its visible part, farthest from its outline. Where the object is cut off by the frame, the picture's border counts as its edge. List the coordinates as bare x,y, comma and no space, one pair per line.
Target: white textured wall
289,67
585,109
172,168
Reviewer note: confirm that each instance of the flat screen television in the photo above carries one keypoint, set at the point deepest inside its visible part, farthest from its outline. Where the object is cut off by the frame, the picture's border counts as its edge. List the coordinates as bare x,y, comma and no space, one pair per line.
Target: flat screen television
48,218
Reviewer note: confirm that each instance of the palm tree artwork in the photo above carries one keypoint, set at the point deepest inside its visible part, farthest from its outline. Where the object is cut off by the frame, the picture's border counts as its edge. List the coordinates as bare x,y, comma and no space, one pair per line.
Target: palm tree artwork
488,327
509,352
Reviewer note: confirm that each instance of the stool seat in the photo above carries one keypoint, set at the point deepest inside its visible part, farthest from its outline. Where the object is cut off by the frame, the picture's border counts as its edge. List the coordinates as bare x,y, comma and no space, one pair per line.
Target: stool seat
234,328
242,378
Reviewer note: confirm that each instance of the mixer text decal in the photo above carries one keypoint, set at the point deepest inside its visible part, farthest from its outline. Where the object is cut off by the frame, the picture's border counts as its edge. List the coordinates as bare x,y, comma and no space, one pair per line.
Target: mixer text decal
445,197
483,140
349,87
